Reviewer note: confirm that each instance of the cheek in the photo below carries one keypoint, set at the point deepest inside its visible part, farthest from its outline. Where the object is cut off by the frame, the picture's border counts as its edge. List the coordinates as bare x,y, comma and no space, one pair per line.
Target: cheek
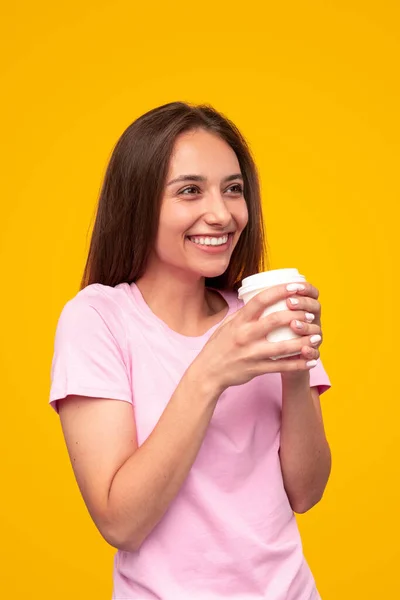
171,228
176,218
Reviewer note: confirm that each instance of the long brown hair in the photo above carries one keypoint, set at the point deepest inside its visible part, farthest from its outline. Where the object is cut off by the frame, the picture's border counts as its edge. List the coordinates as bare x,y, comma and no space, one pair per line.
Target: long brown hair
127,216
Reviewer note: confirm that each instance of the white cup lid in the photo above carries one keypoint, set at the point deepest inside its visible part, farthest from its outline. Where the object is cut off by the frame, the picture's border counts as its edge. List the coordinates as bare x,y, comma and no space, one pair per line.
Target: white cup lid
268,279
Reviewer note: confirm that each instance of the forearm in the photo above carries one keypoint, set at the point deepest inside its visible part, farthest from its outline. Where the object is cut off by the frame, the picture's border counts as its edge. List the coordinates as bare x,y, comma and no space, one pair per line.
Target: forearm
144,487
304,452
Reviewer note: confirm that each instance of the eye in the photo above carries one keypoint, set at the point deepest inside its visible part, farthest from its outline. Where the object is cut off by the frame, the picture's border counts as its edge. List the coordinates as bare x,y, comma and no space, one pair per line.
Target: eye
236,189
189,191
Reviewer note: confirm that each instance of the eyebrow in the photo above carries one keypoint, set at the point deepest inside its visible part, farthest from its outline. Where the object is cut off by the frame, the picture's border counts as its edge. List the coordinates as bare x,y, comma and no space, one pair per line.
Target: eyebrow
200,178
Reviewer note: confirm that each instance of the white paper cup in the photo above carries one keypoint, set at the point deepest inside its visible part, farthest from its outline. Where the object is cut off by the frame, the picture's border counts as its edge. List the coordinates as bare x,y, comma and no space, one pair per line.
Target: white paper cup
253,285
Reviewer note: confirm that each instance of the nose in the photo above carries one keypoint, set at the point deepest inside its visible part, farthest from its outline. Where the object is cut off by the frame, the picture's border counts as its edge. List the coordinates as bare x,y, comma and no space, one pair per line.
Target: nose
217,212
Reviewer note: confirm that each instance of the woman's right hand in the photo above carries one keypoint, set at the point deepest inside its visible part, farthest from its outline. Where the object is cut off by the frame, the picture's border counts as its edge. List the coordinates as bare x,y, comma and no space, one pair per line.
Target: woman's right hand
238,350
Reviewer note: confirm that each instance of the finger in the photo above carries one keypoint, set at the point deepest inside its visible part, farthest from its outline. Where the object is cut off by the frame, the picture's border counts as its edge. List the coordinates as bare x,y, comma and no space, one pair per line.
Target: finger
223,323
310,291
307,304
310,353
264,349
302,328
260,329
266,298
285,365
229,318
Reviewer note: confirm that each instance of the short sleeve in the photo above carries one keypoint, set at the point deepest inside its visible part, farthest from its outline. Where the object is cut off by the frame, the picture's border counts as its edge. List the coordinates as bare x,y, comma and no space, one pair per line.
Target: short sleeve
319,378
88,358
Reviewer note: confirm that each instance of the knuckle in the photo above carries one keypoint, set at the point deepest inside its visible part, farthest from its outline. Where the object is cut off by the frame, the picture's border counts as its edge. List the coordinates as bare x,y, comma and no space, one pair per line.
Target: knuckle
257,300
276,349
262,298
274,319
314,330
242,335
312,353
295,365
306,329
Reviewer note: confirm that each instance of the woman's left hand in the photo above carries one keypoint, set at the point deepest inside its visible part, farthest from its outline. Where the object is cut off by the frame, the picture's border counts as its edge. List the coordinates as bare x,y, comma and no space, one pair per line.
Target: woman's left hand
307,300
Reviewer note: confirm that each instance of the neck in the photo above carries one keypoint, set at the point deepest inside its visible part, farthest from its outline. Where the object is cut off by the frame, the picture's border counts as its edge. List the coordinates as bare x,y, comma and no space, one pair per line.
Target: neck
180,300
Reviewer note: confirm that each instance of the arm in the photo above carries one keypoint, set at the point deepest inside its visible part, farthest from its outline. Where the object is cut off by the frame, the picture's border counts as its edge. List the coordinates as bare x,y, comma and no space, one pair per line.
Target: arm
304,453
128,489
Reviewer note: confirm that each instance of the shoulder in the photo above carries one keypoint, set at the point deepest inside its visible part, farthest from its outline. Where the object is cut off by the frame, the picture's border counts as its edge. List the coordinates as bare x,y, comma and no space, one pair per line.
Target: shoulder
96,305
103,296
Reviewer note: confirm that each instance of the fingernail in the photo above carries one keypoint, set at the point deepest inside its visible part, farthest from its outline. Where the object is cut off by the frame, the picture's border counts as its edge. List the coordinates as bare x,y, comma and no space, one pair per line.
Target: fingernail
314,339
311,363
293,301
295,287
298,324
310,317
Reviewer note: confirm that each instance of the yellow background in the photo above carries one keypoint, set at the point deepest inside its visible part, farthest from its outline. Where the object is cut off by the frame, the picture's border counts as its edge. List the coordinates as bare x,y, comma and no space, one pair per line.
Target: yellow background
314,86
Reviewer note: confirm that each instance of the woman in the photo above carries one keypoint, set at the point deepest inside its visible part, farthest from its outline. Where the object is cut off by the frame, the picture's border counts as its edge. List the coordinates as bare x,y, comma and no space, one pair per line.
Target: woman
190,446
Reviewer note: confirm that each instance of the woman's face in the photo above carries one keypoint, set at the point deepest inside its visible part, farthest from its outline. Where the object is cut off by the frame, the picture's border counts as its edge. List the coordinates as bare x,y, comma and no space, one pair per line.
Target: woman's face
203,210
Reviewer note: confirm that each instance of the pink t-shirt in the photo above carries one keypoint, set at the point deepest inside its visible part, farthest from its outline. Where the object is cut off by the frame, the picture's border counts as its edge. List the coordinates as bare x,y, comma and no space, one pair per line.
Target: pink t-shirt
230,532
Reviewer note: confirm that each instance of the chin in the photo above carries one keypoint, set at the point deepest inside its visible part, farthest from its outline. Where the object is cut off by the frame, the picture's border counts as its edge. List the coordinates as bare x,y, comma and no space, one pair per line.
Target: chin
214,272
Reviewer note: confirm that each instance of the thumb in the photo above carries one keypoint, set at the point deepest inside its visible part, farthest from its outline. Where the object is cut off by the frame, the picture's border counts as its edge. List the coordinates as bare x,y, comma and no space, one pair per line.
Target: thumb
226,320
229,318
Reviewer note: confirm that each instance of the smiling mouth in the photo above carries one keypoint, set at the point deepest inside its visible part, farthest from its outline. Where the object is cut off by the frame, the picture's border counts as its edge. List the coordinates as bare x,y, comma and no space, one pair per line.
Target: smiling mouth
208,240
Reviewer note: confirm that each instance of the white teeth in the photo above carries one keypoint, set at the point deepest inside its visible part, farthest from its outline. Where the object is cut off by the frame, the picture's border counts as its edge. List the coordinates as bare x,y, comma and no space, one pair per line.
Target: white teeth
210,241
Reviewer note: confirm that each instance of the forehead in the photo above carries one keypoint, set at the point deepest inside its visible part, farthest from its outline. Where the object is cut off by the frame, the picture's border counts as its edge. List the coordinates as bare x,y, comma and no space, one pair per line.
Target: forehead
202,153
